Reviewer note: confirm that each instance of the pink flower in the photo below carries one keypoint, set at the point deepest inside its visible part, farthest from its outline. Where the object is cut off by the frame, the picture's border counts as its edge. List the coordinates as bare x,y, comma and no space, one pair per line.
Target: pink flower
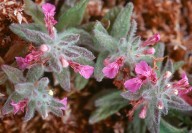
49,12
48,9
150,41
182,85
64,102
84,70
22,63
29,60
20,106
111,69
133,84
144,72
149,51
143,112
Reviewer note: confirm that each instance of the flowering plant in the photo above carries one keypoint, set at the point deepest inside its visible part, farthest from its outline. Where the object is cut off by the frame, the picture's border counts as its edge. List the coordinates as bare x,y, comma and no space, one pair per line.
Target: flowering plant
64,50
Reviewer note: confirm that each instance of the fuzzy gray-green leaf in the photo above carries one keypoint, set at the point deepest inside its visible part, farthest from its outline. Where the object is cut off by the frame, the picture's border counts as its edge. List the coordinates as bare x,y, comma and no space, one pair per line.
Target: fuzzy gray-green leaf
73,16
99,65
122,22
14,75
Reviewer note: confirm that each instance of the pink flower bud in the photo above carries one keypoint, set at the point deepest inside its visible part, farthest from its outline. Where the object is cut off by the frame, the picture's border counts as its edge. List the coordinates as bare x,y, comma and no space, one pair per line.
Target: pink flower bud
149,51
64,62
150,41
168,86
44,48
160,105
167,74
143,113
175,91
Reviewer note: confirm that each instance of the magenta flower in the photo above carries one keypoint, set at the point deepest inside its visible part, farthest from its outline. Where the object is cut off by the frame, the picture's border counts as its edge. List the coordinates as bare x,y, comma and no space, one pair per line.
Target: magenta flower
49,12
20,106
29,60
182,85
111,69
48,9
144,72
84,70
22,63
64,102
152,40
133,84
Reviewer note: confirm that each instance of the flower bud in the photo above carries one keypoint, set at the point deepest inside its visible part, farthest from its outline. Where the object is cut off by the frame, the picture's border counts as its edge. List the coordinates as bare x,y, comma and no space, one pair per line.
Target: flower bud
167,74
44,48
143,113
160,105
64,62
149,51
150,41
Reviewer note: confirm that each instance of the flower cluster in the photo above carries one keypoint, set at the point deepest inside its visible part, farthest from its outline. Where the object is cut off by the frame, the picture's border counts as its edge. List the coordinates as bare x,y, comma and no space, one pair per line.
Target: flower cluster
30,59
144,72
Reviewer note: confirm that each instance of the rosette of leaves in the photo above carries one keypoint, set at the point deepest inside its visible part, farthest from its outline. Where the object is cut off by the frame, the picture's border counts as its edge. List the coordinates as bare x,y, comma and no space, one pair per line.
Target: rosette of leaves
118,40
63,43
34,90
153,95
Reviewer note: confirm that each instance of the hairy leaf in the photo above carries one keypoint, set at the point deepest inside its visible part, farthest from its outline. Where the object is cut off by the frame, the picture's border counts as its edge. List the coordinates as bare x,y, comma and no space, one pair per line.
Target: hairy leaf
14,75
34,11
35,73
122,23
80,82
73,16
99,65
36,37
64,79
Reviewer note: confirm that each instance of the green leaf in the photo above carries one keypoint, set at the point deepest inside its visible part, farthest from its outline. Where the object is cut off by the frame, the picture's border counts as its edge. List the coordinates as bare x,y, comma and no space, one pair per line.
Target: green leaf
82,52
122,23
36,37
160,49
73,16
106,111
104,40
3,78
112,15
107,105
35,73
99,65
14,75
30,111
24,89
35,12
165,127
80,82
64,79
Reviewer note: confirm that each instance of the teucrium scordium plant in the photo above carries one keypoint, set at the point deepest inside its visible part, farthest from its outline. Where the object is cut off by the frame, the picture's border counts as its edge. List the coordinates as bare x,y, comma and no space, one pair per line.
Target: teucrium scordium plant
145,83
31,94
